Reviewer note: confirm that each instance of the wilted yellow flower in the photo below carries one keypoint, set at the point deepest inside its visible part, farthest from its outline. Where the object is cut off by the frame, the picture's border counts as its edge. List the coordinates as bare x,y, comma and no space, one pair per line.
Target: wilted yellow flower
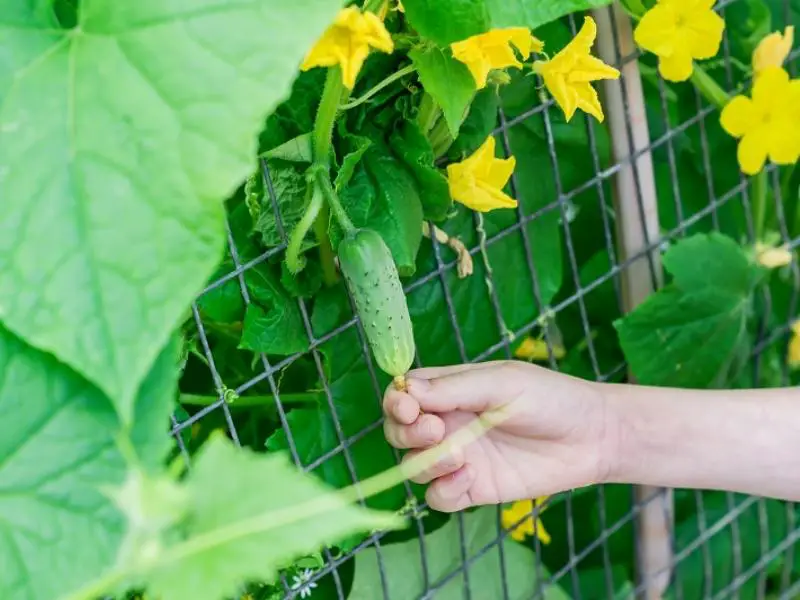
477,182
679,31
535,349
568,75
793,354
772,257
347,43
492,50
773,50
769,123
529,526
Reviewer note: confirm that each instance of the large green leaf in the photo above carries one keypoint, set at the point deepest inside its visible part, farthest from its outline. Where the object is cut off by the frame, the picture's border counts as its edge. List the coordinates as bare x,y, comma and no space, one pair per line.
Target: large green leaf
288,190
400,566
412,147
382,194
58,447
448,21
236,533
693,332
119,138
533,14
447,80
712,261
480,121
272,322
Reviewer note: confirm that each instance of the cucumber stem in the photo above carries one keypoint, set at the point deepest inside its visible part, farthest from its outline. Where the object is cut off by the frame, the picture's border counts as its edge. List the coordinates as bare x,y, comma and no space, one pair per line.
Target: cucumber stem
400,383
324,184
294,260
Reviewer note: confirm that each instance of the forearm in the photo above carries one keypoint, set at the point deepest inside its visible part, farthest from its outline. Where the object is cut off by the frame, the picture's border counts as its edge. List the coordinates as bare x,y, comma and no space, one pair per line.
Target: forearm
744,441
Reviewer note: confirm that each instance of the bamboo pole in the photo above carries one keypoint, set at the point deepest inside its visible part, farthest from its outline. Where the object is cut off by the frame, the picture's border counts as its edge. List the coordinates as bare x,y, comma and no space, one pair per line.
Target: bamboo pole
637,224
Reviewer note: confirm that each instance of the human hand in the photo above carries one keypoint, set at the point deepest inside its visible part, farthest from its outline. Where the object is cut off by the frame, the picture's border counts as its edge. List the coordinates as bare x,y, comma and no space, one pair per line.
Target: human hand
554,432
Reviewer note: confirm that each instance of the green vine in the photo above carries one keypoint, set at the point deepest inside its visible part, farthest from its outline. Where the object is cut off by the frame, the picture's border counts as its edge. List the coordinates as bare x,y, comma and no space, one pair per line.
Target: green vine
294,260
384,83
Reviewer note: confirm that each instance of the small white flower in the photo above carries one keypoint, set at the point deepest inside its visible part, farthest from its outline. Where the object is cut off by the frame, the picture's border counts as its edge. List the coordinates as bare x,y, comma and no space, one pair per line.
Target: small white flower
302,584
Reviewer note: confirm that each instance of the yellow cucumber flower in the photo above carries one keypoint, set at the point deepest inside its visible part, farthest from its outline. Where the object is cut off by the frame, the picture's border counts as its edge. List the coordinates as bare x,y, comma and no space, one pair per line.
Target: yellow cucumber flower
529,526
768,124
773,50
492,50
569,74
772,257
793,351
679,31
347,43
534,349
477,182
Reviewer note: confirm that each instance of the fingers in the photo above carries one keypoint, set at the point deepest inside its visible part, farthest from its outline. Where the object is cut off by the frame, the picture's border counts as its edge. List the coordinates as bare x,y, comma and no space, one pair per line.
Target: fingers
444,466
451,492
427,430
473,388
400,407
434,372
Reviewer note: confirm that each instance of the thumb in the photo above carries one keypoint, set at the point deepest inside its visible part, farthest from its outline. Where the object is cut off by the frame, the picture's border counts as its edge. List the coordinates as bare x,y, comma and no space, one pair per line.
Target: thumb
473,388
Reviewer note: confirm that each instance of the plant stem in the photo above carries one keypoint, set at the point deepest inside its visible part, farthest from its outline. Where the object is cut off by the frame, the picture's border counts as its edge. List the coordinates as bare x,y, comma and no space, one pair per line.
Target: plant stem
326,256
324,184
425,459
248,401
333,94
274,519
408,69
709,88
759,202
429,111
294,261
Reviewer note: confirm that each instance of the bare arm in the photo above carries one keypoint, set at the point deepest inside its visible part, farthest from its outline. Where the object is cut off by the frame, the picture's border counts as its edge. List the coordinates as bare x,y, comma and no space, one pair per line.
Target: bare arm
744,441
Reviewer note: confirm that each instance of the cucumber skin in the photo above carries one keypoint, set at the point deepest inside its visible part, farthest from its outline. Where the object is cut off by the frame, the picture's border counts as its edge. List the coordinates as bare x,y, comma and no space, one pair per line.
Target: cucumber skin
372,278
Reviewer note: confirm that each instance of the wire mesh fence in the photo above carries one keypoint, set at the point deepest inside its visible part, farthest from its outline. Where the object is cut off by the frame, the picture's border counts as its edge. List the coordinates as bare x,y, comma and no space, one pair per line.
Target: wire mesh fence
734,546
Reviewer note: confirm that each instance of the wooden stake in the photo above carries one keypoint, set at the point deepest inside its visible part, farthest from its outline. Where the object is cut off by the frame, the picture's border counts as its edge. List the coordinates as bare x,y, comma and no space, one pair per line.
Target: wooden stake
636,210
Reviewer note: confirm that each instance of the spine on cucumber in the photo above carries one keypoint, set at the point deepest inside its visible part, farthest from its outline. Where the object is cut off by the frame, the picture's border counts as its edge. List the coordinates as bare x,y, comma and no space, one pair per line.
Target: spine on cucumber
371,275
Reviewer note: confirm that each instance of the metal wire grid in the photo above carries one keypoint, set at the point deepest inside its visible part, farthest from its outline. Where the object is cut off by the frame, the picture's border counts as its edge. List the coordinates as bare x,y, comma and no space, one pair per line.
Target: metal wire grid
567,575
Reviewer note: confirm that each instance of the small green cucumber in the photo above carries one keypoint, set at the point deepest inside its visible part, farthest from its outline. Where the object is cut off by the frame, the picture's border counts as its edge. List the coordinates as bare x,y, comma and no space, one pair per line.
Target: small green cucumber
371,275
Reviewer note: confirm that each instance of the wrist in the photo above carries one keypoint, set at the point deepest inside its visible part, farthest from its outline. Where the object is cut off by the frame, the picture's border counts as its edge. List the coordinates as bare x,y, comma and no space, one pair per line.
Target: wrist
654,438
616,439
